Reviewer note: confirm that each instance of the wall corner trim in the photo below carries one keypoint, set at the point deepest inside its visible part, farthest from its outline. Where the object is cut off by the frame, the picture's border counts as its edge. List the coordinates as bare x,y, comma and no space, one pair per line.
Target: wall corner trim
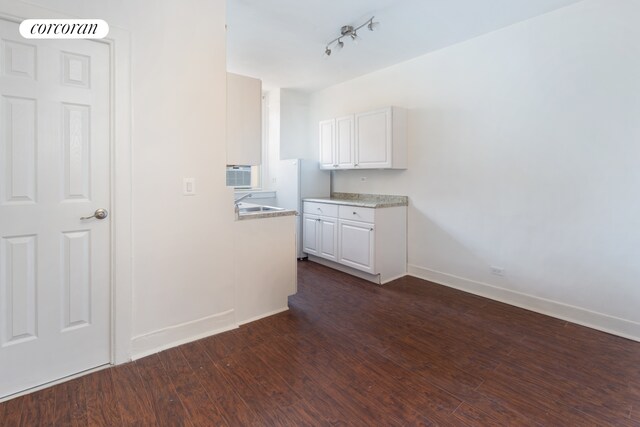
262,316
173,336
602,322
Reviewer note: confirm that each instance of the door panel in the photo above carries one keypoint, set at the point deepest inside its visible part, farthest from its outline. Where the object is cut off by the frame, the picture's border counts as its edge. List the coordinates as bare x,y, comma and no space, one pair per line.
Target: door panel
373,139
326,142
77,279
344,142
19,147
54,169
18,287
75,142
357,245
310,234
328,238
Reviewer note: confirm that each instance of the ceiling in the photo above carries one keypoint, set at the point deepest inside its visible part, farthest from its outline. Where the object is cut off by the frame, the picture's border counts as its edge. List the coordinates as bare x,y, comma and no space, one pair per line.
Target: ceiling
282,41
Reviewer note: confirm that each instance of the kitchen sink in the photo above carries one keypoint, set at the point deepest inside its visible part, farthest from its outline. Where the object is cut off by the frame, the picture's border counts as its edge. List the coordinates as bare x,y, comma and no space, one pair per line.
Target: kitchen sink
257,208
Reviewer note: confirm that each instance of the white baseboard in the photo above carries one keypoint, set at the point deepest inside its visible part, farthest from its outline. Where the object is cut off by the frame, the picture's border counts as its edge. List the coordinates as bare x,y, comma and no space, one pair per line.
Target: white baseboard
262,316
163,339
602,322
391,279
52,383
373,278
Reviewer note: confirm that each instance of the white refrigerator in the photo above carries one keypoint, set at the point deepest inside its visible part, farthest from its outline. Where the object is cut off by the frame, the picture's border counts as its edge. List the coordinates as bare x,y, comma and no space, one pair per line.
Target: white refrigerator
297,179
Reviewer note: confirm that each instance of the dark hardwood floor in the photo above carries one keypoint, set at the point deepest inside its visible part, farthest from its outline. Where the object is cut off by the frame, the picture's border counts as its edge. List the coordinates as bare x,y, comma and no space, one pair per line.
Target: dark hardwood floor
353,353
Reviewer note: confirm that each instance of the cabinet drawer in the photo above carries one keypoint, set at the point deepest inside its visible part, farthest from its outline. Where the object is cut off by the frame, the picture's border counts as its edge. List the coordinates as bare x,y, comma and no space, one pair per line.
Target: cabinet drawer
355,213
324,209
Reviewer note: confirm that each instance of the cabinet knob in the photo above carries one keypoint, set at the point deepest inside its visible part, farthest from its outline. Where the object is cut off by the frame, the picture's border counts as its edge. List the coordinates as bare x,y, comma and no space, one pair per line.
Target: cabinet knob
356,165
355,213
371,229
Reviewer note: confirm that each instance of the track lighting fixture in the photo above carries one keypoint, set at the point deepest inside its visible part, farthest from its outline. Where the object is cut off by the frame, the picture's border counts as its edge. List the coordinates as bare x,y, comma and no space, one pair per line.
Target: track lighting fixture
351,32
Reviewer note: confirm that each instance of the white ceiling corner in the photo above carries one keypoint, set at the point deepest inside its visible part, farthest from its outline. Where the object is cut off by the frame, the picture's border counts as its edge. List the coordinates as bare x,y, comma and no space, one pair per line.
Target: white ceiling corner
282,41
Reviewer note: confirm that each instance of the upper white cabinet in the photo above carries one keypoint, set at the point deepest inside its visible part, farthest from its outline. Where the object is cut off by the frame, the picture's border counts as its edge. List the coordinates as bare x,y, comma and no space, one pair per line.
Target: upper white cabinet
345,142
327,132
244,120
370,140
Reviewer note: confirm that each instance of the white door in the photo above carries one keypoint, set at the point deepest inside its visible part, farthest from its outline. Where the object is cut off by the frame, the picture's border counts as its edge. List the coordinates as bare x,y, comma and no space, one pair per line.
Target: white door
344,142
326,141
310,234
54,169
373,139
328,238
357,241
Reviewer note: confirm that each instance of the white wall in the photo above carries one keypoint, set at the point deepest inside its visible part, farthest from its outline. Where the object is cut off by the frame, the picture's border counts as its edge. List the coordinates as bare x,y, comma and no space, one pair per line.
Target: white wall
294,125
272,148
183,268
523,154
182,261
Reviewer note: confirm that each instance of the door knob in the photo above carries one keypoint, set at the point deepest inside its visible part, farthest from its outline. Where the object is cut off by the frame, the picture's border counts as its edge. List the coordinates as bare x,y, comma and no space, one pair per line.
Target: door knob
98,214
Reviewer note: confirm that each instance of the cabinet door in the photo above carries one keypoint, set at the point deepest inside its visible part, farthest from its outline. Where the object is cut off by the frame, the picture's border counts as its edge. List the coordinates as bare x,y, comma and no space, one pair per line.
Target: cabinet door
310,234
345,147
328,247
327,144
373,139
356,245
244,120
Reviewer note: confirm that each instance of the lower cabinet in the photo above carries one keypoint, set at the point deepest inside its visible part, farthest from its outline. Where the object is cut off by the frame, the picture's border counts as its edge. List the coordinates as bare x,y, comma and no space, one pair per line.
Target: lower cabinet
310,234
365,239
320,236
357,244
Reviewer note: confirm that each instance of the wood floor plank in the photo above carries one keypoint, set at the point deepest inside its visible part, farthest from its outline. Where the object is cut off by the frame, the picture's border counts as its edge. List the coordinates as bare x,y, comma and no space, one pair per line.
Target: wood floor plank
11,412
351,353
134,404
71,404
38,408
201,409
165,401
580,397
242,369
535,403
102,403
234,410
294,371
476,418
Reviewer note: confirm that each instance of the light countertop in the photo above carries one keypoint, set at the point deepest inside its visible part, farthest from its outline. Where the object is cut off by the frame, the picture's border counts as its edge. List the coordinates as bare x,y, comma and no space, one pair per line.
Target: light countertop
263,214
363,200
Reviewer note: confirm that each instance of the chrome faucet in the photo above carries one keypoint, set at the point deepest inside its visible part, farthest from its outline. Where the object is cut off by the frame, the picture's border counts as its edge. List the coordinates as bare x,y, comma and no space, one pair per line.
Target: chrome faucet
237,201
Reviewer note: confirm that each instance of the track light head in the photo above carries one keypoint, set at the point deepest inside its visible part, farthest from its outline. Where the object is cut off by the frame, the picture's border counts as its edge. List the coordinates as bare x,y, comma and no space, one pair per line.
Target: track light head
351,32
346,30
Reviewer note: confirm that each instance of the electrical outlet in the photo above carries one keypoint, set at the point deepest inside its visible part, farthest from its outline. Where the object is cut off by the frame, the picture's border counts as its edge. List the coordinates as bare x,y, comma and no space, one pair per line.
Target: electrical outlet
189,186
498,271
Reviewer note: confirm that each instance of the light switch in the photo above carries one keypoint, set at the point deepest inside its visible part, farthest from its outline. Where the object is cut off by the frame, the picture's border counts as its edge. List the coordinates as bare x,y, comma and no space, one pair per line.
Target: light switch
189,186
